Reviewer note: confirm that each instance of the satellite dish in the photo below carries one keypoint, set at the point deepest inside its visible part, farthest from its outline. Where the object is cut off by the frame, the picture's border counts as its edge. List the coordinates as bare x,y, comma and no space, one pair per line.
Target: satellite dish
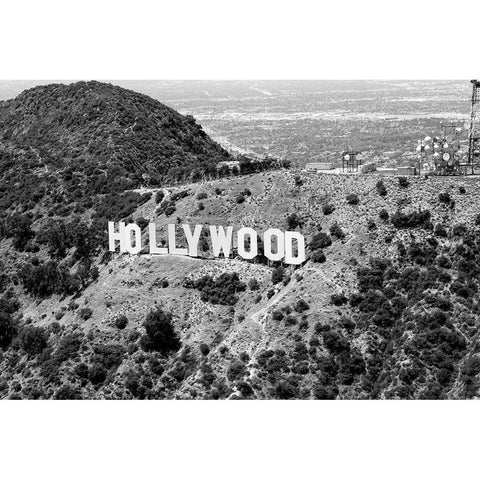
446,157
427,148
458,130
466,126
426,167
436,139
428,139
436,147
419,148
450,162
446,146
347,157
437,156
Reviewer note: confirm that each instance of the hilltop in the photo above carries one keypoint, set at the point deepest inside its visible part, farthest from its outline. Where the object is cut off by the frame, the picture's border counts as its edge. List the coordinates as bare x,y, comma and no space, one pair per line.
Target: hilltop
114,131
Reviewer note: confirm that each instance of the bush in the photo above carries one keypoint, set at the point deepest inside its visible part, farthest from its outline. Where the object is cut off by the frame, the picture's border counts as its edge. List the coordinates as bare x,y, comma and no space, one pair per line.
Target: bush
294,221
383,214
7,329
222,290
381,189
301,306
371,225
298,180
444,197
240,198
277,275
200,206
440,230
328,208
121,322
202,196
160,335
420,218
352,199
338,299
253,284
85,313
97,373
336,231
159,196
403,182
142,222
318,256
68,392
461,190
33,339
320,240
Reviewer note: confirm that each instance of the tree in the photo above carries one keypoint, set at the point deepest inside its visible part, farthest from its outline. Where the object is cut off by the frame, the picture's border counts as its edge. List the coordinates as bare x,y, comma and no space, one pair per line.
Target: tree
33,339
277,275
7,329
352,199
160,335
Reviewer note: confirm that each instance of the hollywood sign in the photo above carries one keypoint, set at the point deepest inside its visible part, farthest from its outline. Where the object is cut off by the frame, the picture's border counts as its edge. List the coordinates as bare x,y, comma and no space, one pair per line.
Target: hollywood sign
288,247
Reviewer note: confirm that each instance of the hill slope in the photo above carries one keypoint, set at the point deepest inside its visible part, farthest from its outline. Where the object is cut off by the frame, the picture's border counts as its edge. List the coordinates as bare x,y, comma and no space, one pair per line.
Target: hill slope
391,313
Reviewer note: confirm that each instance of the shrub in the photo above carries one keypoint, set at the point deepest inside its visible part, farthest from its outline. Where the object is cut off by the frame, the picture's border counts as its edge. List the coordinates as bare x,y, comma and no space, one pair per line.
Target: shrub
97,373
338,299
444,197
160,335
294,221
383,214
85,313
298,180
381,189
142,222
336,231
33,339
277,275
68,392
240,198
318,256
202,196
108,355
352,199
270,293
159,196
403,182
253,284
301,306
7,329
201,206
371,225
222,290
462,190
440,230
327,208
121,322
320,240
420,218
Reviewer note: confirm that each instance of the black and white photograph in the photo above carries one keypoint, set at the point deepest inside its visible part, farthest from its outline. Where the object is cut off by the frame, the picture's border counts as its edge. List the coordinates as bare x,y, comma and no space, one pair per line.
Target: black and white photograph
240,240
273,203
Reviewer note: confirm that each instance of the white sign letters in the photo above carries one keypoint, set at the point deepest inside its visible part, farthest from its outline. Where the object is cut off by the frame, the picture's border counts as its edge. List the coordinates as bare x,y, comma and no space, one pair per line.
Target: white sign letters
277,245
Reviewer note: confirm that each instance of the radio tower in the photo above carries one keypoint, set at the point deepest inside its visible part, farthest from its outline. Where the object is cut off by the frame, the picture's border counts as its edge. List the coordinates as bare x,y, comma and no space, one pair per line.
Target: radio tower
473,136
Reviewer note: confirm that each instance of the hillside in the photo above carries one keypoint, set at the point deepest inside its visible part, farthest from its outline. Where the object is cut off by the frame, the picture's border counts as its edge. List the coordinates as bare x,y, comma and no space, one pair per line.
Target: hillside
386,306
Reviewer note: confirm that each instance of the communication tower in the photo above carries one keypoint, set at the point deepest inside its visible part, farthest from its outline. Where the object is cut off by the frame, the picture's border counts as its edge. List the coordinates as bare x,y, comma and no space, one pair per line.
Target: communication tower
350,160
